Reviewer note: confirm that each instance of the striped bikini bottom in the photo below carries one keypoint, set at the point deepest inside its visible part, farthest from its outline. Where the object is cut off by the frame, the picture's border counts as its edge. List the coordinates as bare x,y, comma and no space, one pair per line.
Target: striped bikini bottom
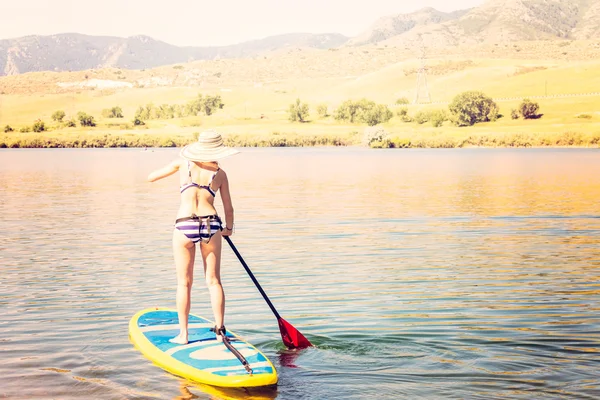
199,228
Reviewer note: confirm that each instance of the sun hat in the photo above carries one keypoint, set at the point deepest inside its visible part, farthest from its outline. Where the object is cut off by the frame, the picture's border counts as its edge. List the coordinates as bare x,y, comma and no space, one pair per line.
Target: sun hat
209,147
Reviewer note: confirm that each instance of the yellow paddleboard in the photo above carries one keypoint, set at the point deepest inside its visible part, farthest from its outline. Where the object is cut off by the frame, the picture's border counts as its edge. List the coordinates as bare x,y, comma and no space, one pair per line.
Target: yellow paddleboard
203,359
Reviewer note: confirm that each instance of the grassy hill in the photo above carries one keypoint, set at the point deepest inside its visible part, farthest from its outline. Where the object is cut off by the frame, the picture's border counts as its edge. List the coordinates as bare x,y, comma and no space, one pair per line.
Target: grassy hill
257,92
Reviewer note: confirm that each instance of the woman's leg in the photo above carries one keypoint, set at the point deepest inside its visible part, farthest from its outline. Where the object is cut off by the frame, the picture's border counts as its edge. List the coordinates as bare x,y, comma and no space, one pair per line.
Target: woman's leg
211,256
184,251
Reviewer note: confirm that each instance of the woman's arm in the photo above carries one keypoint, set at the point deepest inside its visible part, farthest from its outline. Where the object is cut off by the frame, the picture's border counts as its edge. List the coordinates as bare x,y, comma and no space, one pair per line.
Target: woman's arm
165,171
227,206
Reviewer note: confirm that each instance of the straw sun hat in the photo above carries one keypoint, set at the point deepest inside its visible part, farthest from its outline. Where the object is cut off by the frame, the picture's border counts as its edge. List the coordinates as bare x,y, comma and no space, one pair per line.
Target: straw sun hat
209,147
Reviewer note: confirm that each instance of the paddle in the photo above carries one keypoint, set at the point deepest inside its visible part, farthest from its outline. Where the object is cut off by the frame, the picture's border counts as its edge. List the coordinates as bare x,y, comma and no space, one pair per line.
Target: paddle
291,337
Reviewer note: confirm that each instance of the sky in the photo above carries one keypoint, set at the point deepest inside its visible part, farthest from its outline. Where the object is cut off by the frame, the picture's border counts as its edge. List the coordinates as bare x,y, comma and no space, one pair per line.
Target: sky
203,23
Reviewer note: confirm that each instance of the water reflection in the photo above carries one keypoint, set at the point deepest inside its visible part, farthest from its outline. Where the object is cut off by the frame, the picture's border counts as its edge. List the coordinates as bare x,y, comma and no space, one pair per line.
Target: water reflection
187,390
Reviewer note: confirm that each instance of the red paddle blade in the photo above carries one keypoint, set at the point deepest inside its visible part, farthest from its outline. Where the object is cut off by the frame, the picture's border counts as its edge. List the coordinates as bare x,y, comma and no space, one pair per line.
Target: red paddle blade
291,337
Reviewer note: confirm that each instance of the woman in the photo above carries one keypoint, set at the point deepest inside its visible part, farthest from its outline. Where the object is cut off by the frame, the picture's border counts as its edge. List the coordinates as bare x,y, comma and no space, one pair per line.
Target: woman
197,221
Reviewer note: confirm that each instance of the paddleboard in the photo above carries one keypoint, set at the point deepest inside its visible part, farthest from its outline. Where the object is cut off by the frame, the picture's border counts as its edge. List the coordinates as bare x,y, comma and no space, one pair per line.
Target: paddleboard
203,359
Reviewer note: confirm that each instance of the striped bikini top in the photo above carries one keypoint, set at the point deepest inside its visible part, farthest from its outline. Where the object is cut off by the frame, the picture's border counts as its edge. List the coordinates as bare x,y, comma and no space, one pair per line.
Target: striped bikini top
194,184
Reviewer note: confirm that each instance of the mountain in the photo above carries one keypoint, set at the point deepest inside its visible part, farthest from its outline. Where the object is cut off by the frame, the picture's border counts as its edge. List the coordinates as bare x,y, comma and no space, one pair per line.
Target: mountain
494,22
390,26
75,52
498,21
589,27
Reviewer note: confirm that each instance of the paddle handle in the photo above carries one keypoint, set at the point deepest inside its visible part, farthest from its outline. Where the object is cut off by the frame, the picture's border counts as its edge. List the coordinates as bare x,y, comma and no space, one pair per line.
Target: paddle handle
260,289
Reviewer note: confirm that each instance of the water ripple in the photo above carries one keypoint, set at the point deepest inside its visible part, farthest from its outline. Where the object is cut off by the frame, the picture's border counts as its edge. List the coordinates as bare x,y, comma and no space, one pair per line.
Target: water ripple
417,274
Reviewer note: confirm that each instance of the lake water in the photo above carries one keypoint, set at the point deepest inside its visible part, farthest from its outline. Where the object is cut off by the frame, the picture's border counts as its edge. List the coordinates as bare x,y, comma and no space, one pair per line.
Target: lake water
466,273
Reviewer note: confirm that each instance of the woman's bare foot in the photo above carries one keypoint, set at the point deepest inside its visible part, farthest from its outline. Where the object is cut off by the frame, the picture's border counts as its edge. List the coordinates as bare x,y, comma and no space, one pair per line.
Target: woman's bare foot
179,339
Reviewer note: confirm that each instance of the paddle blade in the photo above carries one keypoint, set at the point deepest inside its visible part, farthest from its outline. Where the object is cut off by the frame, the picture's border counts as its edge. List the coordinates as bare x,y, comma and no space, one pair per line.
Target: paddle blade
291,337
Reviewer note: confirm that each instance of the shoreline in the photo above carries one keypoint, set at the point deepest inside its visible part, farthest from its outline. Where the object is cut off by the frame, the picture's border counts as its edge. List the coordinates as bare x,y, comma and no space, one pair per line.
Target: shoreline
423,140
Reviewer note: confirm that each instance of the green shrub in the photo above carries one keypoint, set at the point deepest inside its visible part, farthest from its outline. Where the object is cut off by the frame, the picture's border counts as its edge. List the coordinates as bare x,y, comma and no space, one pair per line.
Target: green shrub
200,105
209,104
168,142
376,115
8,129
58,115
25,129
584,116
322,110
363,111
298,111
349,109
85,119
114,112
514,114
39,126
570,139
401,143
71,123
144,113
374,134
402,100
138,122
437,118
403,114
383,144
529,109
471,107
421,117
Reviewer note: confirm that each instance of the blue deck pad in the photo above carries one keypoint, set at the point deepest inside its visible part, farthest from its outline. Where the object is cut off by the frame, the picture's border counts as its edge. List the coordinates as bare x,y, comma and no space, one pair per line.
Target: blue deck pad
163,317
215,357
160,326
203,351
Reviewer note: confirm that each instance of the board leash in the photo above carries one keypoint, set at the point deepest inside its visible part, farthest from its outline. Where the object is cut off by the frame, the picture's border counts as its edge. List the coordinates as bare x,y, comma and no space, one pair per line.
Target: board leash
223,332
239,355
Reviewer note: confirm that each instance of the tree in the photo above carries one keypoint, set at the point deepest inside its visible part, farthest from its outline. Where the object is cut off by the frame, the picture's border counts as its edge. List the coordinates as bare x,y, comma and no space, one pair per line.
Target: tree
207,105
363,110
529,109
471,107
347,111
298,111
212,104
114,112
8,129
144,113
376,115
58,116
39,126
322,110
85,120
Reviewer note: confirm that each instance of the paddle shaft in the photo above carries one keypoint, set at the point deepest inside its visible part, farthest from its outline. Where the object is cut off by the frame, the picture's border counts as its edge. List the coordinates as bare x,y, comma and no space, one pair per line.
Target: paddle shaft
260,289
